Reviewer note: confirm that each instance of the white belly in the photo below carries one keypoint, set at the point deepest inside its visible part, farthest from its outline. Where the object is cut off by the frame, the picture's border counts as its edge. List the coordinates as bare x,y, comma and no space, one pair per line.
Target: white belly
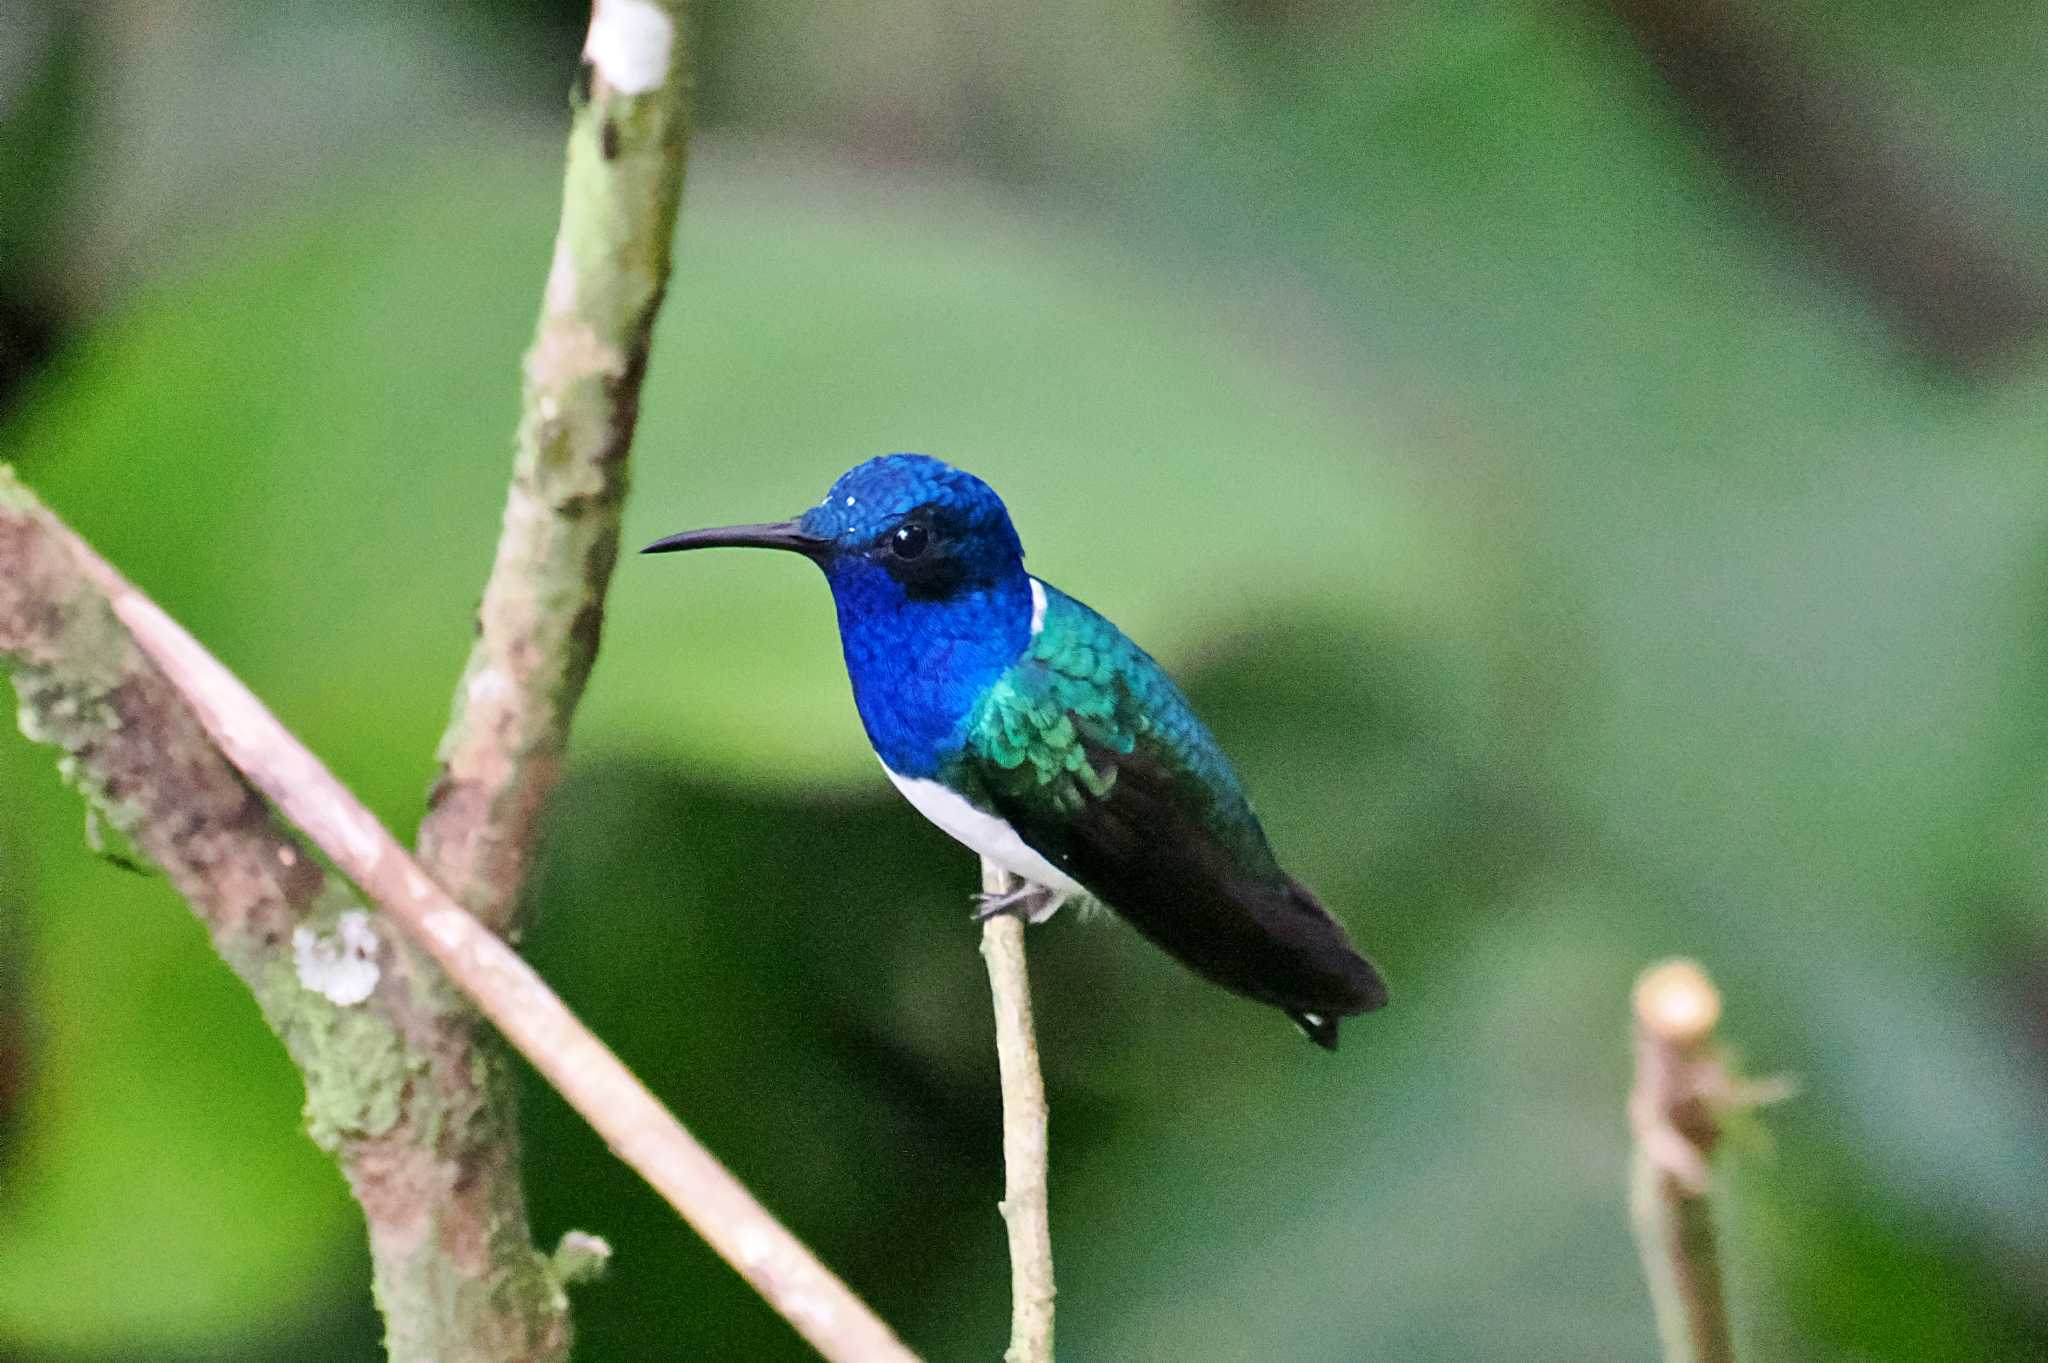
984,833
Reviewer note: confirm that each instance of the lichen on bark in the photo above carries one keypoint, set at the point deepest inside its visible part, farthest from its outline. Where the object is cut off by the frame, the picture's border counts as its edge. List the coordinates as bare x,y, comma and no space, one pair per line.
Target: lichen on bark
392,1083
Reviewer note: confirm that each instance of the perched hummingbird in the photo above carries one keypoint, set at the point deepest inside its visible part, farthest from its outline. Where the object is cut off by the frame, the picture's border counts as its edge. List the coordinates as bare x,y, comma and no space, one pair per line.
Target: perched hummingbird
1029,728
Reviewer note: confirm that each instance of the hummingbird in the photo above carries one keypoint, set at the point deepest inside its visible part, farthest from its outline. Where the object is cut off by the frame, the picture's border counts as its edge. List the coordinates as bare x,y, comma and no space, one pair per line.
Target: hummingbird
1030,728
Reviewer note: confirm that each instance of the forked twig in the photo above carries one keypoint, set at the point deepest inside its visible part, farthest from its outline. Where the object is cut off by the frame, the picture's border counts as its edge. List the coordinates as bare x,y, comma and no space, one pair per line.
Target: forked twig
1682,1090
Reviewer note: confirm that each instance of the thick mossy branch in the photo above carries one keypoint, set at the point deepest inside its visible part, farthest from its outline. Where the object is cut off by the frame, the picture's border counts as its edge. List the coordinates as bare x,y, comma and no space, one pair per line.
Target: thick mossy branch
392,1082
342,958
543,607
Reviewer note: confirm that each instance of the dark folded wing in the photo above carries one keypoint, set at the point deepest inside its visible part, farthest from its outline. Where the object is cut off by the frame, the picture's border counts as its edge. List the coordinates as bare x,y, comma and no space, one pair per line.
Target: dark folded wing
1089,751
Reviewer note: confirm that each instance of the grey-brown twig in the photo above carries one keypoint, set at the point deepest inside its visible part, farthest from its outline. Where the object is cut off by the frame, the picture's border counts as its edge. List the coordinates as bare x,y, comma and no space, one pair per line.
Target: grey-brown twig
137,733
1680,1083
1024,1205
537,630
537,635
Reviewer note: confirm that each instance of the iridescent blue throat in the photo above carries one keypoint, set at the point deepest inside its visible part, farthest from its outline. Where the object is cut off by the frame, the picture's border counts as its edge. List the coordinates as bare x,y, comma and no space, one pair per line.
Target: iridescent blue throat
923,654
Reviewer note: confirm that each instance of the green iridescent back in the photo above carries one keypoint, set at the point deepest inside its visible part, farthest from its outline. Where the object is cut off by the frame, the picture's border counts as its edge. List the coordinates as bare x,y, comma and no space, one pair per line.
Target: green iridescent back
1050,740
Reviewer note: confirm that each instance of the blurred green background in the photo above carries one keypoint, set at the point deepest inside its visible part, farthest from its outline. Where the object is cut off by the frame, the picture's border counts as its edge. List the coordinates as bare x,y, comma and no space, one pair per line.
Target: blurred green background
1586,463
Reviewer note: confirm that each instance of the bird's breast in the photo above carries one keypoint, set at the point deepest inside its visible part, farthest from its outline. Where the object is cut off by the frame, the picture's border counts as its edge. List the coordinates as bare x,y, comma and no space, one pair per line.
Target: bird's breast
981,831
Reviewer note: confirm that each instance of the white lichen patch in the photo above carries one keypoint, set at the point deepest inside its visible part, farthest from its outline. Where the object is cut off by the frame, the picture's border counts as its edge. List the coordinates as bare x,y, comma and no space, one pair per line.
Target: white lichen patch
561,287
629,45
489,686
342,967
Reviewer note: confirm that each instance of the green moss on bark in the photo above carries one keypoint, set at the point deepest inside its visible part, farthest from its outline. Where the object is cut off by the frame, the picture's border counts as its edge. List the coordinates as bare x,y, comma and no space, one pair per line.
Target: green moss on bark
397,1085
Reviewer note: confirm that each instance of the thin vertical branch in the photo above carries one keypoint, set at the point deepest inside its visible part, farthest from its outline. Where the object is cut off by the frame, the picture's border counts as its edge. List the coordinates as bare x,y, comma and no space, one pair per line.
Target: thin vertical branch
537,637
1024,1204
1671,1114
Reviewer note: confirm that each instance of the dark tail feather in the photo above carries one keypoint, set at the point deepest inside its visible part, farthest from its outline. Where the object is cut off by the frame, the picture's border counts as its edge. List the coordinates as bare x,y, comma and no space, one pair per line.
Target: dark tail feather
1270,942
1143,850
1363,987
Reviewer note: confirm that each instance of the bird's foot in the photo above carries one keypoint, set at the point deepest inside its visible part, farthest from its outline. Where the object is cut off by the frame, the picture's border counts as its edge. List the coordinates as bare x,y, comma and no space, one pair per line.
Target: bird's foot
1032,903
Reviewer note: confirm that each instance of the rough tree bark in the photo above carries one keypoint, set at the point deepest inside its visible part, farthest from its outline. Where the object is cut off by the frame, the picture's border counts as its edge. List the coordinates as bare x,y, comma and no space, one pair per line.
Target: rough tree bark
149,723
538,627
392,1088
537,637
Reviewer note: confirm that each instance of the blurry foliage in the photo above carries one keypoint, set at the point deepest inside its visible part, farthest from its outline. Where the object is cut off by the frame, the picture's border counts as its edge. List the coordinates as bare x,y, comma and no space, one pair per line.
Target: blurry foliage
41,68
1576,572
40,77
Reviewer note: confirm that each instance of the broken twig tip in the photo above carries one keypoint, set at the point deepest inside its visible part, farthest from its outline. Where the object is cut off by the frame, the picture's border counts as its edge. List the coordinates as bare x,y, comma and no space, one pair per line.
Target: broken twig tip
581,1257
1677,1003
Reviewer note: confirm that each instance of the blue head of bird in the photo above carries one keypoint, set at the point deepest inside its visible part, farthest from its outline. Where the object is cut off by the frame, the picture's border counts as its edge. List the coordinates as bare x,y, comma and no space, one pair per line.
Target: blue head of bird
927,575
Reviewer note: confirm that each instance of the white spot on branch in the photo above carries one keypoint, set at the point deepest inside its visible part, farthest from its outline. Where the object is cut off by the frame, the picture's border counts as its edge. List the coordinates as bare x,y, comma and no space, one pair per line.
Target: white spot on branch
448,927
341,968
561,289
488,686
581,1257
629,45
756,1245
1678,1003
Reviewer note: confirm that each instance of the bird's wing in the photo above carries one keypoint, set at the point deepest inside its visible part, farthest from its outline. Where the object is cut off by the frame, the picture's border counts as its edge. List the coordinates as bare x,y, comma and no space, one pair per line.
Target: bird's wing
1092,754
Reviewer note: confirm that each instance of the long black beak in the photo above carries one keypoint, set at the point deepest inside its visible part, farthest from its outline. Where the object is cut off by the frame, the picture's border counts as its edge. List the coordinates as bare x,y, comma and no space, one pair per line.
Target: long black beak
775,535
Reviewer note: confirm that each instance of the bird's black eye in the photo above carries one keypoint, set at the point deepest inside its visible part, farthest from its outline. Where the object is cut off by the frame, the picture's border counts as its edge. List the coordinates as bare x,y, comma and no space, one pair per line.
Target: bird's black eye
909,541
